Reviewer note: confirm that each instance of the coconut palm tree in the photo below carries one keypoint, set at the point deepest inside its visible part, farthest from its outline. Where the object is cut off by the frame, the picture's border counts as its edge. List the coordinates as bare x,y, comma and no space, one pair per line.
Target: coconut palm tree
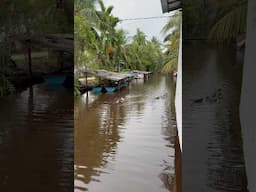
172,40
231,22
106,30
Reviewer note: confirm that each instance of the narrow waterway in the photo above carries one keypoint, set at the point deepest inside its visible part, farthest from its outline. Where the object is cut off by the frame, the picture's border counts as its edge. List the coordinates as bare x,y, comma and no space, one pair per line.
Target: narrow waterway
213,158
126,145
36,140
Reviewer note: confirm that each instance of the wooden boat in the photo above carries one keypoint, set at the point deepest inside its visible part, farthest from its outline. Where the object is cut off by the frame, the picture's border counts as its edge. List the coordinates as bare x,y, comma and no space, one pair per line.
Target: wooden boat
97,90
111,89
139,76
58,79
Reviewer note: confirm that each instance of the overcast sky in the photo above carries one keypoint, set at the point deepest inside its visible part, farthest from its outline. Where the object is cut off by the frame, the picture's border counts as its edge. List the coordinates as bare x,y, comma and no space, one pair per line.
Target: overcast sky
126,9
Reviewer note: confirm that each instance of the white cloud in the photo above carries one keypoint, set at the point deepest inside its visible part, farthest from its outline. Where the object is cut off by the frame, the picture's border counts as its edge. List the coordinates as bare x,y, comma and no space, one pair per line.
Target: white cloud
126,9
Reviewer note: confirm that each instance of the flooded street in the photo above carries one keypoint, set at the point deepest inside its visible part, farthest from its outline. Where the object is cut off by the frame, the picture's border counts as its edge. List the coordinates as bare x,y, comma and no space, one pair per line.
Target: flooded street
212,142
125,141
36,140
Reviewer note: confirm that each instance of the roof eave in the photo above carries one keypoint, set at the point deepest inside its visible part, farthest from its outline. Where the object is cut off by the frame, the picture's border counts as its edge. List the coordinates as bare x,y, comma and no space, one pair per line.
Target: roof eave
168,7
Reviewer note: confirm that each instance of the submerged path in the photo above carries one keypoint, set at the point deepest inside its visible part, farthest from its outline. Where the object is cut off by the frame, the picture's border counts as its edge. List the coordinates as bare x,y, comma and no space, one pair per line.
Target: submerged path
212,141
128,145
36,140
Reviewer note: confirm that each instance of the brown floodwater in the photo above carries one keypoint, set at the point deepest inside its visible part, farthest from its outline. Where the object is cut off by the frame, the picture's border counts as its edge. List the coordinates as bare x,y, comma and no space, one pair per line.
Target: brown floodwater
36,140
213,158
127,145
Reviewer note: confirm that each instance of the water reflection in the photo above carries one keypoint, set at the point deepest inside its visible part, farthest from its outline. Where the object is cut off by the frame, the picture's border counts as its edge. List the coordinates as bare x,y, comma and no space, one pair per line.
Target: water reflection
127,145
36,141
213,156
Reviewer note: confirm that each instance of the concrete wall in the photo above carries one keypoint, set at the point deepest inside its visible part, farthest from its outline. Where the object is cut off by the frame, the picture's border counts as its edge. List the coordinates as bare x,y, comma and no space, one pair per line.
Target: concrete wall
248,98
178,96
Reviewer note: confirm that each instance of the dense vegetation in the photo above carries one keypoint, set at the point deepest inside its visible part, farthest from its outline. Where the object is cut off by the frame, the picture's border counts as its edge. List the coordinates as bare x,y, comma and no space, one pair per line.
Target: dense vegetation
24,18
221,21
172,39
100,44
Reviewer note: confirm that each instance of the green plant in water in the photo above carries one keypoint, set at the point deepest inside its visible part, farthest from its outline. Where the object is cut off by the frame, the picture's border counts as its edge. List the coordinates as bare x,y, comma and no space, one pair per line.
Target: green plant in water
76,87
6,87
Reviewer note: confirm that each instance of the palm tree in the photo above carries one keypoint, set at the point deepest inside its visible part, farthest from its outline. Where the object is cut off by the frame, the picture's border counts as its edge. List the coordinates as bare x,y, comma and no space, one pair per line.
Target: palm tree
231,23
172,40
106,33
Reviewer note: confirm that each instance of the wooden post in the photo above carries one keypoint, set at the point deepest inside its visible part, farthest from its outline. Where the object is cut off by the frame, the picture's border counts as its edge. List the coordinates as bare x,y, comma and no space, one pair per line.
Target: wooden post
29,58
87,100
86,81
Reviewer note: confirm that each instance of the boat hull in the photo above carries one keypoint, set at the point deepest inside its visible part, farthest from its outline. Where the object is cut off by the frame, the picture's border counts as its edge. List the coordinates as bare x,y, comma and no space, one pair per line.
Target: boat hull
55,79
97,90
111,89
139,76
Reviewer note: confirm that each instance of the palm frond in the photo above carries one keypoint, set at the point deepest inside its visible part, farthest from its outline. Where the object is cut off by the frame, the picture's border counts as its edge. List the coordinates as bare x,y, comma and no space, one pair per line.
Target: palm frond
109,10
102,6
230,25
170,66
173,23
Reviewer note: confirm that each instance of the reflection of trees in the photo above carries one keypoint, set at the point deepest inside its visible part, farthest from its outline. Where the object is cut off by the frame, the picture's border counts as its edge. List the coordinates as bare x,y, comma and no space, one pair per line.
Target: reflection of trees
97,126
170,126
142,90
226,159
39,146
97,135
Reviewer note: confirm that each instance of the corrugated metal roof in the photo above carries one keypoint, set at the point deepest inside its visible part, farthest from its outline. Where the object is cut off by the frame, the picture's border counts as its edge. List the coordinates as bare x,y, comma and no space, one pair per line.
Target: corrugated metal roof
170,5
113,76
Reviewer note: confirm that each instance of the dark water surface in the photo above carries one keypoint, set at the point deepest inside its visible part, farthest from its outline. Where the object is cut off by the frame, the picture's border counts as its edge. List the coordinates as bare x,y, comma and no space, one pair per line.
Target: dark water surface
212,145
126,146
36,140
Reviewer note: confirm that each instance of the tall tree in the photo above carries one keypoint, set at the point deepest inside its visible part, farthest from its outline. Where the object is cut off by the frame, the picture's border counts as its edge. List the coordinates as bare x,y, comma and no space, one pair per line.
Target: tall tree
172,31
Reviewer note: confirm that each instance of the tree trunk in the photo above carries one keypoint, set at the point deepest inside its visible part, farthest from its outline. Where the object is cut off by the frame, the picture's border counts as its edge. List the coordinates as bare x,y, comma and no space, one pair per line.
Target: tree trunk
248,96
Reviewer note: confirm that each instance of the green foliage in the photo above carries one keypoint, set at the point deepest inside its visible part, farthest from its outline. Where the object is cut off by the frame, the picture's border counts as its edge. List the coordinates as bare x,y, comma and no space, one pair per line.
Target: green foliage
142,54
6,86
231,23
26,18
99,44
218,20
172,31
35,17
76,87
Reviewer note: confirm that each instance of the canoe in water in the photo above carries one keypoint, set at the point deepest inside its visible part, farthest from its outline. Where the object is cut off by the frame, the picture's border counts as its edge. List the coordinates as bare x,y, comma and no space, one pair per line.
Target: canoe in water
55,79
111,89
97,90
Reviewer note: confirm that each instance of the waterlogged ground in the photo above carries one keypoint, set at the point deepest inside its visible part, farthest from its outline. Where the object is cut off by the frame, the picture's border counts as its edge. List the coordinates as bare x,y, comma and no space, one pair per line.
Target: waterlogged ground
36,140
212,141
125,141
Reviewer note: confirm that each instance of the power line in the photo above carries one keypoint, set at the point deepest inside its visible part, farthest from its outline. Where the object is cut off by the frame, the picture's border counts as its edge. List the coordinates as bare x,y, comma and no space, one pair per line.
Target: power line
146,18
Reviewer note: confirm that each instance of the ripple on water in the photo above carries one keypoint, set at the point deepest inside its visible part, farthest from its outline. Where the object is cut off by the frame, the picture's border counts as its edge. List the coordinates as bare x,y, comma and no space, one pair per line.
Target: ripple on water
125,147
211,130
37,151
